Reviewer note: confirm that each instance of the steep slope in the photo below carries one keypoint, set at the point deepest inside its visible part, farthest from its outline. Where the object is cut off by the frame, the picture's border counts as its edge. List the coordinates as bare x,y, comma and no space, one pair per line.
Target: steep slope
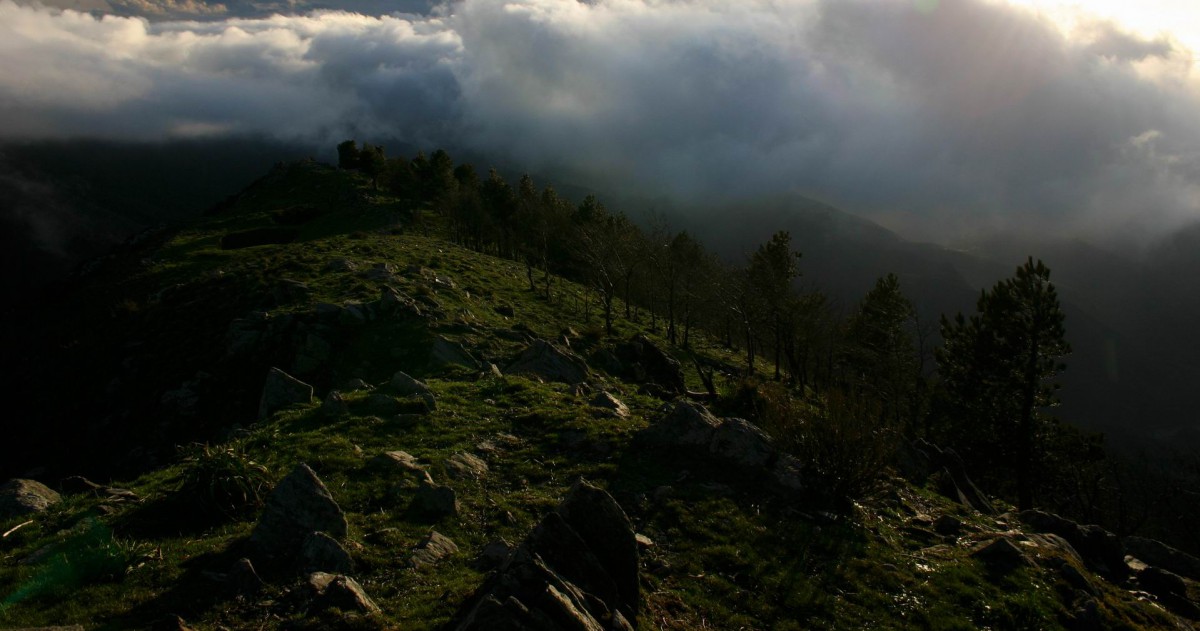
504,402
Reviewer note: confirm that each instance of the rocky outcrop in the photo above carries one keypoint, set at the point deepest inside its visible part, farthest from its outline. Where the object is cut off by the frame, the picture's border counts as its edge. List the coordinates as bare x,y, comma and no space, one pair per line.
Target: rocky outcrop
921,460
298,506
280,391
545,361
644,362
433,549
1099,548
339,591
23,497
742,446
445,353
610,406
1161,555
576,570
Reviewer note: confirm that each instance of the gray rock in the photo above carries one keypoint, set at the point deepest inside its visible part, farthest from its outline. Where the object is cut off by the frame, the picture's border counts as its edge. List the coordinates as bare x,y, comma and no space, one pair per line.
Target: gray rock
334,405
464,466
435,500
393,302
610,405
433,549
1100,549
405,385
1164,556
1000,554
542,360
644,362
339,591
741,443
788,474
320,552
446,353
1161,583
300,504
686,424
280,391
23,497
494,554
561,577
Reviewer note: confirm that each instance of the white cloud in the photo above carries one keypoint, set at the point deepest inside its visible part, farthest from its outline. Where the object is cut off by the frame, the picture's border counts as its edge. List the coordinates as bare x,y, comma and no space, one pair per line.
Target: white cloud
970,107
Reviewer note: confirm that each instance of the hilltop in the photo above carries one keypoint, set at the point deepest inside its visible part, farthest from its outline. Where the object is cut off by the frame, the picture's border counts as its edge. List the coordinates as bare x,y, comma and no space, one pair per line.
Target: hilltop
315,356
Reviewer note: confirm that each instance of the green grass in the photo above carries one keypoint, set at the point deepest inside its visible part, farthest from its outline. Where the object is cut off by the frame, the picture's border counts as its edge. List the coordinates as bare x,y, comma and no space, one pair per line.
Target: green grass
727,554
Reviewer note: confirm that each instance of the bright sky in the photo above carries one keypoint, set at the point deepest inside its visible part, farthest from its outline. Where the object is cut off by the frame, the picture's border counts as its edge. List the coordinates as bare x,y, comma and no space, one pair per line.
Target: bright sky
1148,18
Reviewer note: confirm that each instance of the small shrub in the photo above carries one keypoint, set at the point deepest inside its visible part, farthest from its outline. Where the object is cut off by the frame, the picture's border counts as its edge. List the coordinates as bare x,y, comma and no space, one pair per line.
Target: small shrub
845,446
224,479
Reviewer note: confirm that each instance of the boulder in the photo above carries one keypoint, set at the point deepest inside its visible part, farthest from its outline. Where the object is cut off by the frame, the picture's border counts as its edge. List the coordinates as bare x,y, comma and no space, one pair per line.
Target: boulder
434,500
23,497
339,591
686,424
433,549
299,505
464,465
577,570
280,391
334,405
644,362
542,360
1000,555
405,385
446,353
740,442
1161,583
320,552
1164,556
609,405
1100,549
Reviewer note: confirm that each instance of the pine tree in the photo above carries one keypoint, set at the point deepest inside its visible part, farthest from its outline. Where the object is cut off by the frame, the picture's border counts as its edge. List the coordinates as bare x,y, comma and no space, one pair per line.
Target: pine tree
999,367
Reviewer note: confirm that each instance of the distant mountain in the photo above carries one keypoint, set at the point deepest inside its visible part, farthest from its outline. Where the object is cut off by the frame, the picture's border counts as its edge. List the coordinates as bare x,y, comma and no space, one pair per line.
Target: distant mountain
1130,319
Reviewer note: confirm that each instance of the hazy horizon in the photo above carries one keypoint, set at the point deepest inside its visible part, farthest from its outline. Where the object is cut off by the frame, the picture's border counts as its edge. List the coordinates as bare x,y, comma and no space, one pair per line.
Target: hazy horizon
938,120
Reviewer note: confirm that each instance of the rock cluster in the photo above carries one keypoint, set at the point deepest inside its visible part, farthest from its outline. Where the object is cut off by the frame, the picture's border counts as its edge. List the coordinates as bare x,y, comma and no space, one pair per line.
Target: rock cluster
577,570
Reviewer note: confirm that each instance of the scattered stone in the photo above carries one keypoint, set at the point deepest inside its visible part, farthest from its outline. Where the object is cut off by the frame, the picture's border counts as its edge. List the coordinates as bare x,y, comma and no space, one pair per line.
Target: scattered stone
610,405
392,301
334,405
447,353
494,371
433,549
464,465
402,461
300,504
23,497
1164,556
340,591
435,500
543,360
280,391
1000,554
320,552
381,273
643,541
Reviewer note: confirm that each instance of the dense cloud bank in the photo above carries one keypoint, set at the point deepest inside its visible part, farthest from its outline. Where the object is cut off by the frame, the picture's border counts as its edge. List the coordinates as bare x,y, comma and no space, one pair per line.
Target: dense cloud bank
968,113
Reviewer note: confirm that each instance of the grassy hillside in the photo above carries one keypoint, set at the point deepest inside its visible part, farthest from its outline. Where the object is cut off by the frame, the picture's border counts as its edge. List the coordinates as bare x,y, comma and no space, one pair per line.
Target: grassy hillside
182,330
